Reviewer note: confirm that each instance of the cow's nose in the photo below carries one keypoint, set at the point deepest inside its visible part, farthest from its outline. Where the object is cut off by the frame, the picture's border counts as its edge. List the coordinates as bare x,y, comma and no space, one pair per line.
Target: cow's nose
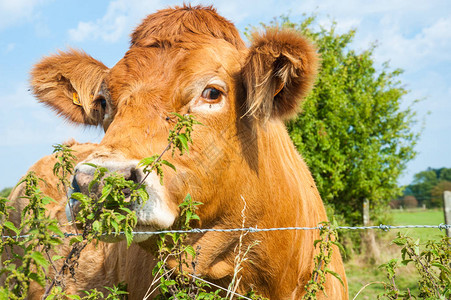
81,183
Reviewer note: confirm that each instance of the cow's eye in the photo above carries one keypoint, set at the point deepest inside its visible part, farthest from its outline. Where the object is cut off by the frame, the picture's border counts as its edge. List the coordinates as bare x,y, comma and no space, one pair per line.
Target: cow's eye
211,94
102,103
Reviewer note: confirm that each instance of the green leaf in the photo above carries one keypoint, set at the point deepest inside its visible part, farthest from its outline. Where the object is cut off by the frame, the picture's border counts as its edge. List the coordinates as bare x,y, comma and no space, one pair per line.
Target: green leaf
178,115
165,162
183,141
148,160
127,210
340,246
57,257
55,229
400,241
11,226
37,278
76,239
441,267
190,250
39,259
91,165
336,275
128,237
143,195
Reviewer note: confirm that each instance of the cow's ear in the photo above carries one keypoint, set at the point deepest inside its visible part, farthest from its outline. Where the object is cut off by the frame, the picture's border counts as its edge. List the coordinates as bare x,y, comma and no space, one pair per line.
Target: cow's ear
279,72
69,82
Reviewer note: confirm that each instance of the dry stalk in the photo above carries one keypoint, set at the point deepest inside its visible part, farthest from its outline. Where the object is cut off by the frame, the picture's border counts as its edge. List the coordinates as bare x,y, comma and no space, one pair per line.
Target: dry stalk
241,256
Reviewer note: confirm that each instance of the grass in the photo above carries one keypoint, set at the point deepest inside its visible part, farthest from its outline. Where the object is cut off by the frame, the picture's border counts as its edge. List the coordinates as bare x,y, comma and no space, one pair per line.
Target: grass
361,271
420,217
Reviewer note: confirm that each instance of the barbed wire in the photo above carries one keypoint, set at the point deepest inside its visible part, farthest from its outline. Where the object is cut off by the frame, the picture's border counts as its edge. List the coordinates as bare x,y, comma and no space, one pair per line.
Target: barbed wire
383,227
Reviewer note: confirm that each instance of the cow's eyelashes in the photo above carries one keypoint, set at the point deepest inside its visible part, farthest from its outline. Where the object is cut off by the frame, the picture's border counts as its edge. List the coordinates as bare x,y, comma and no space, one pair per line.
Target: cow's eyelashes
211,94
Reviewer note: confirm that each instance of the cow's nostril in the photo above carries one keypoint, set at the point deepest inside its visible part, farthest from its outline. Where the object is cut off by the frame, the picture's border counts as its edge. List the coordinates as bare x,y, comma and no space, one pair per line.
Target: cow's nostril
127,192
132,175
75,186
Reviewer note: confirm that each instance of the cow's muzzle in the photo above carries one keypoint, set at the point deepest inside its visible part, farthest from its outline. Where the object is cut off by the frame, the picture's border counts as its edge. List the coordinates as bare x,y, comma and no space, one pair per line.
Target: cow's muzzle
153,214
81,183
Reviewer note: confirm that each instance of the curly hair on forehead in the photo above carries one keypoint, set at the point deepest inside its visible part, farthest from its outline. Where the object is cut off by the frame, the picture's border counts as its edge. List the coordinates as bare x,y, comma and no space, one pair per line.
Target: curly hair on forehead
184,24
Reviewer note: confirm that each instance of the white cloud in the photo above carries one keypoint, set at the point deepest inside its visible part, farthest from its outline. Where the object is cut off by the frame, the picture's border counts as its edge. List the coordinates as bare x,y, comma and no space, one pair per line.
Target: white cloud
17,11
120,18
432,45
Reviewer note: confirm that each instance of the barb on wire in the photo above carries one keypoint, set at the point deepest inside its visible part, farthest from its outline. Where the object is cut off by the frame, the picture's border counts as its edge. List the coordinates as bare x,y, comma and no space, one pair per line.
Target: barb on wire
255,229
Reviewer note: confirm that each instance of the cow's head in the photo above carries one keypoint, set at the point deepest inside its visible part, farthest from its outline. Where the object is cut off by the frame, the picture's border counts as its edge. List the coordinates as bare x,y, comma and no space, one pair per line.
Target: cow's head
189,61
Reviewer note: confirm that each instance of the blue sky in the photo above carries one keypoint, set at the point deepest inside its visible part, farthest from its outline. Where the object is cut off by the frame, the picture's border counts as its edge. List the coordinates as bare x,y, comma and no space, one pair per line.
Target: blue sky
413,35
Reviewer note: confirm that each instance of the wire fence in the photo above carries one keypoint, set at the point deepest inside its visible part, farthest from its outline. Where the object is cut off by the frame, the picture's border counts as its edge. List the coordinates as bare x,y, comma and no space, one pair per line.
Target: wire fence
382,227
255,229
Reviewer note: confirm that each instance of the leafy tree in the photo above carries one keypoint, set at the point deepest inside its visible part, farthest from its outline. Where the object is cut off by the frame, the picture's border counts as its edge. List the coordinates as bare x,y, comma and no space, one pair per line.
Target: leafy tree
422,185
410,201
437,193
428,186
352,131
5,192
445,174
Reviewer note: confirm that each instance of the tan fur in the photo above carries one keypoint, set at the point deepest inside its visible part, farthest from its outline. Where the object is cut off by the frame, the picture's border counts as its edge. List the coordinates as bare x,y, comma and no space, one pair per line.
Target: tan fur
56,78
184,24
277,59
234,155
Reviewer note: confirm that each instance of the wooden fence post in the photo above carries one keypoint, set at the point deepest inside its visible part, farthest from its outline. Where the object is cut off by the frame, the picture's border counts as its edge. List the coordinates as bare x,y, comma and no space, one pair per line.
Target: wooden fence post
447,210
366,212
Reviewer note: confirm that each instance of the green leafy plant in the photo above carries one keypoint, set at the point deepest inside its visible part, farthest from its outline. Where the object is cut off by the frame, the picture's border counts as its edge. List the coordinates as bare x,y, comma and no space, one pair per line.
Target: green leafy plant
176,283
64,165
433,264
328,236
27,251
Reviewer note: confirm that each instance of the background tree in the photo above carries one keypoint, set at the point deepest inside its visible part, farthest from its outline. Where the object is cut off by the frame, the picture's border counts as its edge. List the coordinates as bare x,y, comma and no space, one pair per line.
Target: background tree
437,193
5,192
428,186
409,201
352,131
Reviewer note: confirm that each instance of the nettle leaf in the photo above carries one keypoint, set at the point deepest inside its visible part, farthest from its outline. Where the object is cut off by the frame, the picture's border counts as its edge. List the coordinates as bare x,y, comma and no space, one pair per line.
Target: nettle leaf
165,162
194,217
441,267
106,191
336,275
190,250
401,241
127,210
128,236
115,226
57,257
183,142
91,165
40,259
46,200
11,226
55,229
39,279
76,239
96,226
148,160
143,195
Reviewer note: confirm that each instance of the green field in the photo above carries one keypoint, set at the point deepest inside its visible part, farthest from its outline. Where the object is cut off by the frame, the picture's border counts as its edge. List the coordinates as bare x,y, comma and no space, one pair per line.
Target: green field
361,272
420,217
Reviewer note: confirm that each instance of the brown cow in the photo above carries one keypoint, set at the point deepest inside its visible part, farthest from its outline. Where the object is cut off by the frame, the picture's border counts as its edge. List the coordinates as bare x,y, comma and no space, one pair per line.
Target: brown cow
190,60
